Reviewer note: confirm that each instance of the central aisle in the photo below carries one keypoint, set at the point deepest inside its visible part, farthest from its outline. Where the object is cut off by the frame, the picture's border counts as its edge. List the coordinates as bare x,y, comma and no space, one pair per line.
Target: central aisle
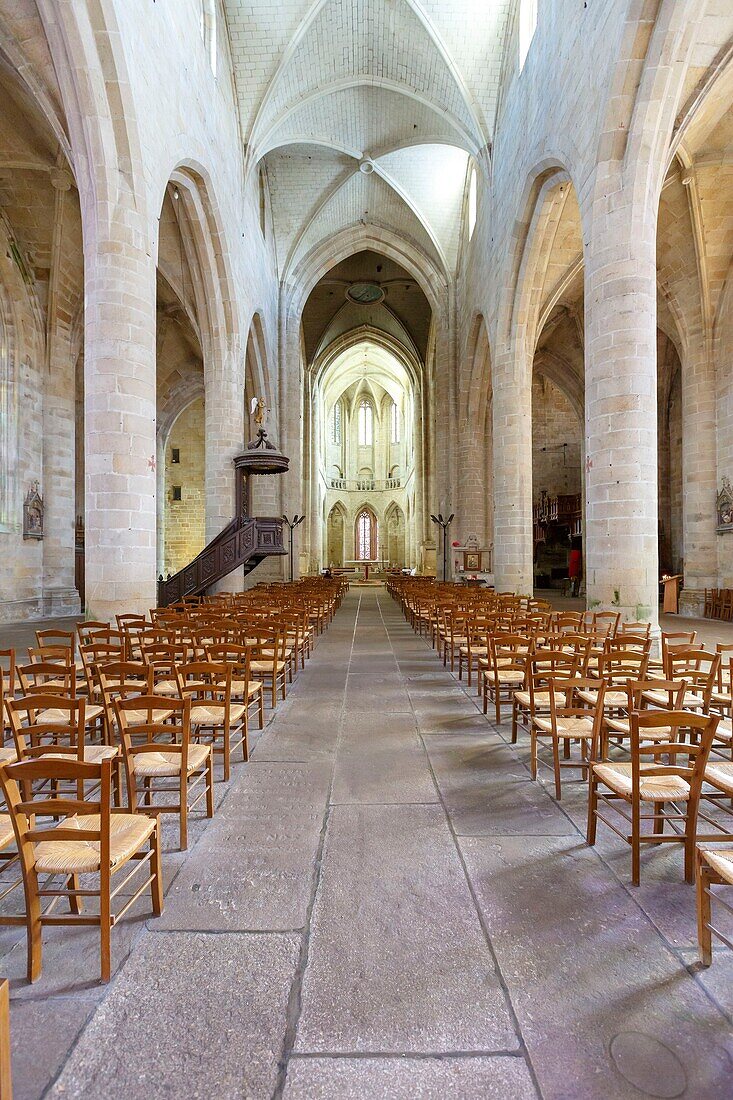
328,935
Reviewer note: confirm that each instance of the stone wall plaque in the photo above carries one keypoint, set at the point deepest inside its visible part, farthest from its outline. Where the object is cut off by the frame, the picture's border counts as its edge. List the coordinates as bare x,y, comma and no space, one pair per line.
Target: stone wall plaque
725,507
33,513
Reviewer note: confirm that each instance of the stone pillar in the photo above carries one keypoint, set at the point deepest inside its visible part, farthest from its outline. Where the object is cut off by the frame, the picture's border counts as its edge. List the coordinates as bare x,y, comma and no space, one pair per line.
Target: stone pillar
699,475
512,448
621,409
472,488
120,392
225,428
59,419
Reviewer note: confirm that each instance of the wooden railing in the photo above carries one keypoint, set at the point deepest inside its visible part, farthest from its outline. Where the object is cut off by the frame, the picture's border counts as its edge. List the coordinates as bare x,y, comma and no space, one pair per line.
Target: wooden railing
246,541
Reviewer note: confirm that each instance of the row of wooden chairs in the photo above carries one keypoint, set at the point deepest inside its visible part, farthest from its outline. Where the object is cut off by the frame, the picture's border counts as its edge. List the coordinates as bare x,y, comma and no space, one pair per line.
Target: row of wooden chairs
105,731
651,737
718,604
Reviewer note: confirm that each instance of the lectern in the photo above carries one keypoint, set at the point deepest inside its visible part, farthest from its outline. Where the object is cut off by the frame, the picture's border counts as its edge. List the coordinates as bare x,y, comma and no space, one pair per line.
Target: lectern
671,594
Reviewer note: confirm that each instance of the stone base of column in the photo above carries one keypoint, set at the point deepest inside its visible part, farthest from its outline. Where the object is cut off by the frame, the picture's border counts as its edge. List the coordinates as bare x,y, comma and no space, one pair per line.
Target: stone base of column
53,604
692,603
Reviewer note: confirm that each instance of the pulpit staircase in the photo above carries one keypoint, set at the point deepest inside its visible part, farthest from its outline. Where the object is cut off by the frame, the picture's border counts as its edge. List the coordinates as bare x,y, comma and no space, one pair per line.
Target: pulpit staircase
243,543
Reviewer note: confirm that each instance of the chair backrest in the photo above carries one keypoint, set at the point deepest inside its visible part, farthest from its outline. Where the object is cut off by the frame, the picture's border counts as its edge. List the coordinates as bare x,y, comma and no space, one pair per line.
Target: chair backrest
697,666
674,690
237,656
43,723
565,701
35,778
205,681
7,669
637,629
50,677
58,654
666,755
671,639
617,666
150,723
55,638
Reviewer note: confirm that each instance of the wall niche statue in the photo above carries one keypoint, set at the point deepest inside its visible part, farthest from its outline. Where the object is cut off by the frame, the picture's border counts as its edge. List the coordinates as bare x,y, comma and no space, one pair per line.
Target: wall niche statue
33,513
725,507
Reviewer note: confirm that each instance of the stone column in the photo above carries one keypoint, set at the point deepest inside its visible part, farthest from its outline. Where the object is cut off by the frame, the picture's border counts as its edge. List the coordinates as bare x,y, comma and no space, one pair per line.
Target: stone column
120,391
621,409
59,419
512,448
224,437
699,474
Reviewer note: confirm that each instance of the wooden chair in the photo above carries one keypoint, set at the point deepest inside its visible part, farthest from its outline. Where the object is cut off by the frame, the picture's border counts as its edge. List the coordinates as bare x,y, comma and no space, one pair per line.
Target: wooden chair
215,719
245,689
504,670
534,698
639,783
672,639
161,758
90,839
570,720
268,659
53,640
669,695
714,867
57,727
50,677
699,669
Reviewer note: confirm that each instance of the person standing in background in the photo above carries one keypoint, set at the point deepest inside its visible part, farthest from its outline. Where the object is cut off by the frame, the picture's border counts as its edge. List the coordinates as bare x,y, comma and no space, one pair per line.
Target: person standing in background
575,567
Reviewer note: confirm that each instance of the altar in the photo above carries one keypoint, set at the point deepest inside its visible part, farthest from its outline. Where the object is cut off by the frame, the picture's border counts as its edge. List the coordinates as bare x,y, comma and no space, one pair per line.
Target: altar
366,565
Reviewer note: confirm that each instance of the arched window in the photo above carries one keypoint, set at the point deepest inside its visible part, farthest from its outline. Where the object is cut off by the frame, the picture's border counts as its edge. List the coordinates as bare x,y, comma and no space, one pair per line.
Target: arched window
366,423
395,423
336,423
472,202
527,27
366,536
208,30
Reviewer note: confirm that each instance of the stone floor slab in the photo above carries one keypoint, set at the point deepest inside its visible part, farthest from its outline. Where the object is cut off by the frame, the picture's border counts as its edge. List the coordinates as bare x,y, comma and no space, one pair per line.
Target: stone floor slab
191,1015
477,1078
583,967
397,958
390,775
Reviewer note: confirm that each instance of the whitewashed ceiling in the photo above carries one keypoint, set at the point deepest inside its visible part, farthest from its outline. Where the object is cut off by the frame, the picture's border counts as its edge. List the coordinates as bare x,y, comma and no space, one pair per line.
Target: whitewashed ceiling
408,85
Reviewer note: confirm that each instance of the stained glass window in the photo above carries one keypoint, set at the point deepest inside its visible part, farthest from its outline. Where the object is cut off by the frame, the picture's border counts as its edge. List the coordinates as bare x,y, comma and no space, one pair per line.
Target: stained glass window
364,529
366,423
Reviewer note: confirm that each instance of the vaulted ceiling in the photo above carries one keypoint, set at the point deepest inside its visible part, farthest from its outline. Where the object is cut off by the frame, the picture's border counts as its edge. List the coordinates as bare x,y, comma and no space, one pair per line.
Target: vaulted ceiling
366,112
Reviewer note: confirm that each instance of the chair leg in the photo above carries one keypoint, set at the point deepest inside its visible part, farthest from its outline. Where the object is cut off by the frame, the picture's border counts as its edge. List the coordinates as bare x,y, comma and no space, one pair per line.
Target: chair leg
75,903
225,752
156,886
34,939
689,844
105,926
590,834
556,766
658,819
262,708
704,937
635,844
183,814
533,753
210,785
